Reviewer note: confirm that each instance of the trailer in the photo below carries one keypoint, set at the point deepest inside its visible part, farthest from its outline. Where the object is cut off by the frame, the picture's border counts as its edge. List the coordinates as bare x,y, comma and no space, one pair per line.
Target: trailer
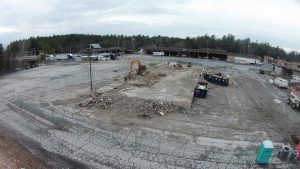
158,53
64,57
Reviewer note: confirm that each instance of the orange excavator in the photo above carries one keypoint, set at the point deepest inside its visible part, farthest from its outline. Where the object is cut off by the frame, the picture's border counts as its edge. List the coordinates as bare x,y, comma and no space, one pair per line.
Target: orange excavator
140,69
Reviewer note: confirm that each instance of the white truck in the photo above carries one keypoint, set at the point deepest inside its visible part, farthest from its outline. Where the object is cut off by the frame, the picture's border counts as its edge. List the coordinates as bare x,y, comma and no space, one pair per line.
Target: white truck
280,82
295,79
158,53
294,100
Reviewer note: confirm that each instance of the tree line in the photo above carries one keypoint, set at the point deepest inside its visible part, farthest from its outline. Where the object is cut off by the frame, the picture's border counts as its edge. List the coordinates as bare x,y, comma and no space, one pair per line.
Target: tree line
73,43
5,63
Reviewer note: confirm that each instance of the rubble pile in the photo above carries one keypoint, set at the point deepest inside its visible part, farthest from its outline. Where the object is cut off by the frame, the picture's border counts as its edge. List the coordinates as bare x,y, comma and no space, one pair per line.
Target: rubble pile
150,107
142,107
105,101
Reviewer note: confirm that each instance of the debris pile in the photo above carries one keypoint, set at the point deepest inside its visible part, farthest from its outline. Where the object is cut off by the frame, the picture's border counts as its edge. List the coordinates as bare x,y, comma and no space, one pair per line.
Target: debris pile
142,107
175,65
149,107
104,101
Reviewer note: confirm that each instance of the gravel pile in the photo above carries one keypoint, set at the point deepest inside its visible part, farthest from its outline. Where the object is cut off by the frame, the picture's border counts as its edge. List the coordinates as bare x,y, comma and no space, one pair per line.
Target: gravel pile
142,107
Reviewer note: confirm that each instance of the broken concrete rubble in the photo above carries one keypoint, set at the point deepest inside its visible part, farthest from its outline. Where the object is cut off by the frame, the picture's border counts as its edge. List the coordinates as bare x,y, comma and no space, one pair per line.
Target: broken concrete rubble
142,107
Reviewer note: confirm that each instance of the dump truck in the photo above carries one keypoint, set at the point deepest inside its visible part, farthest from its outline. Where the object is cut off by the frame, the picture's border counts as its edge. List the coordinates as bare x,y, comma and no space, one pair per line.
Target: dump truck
201,90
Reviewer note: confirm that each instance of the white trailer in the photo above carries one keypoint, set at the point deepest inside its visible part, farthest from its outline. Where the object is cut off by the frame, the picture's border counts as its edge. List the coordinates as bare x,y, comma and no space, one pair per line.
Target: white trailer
295,79
158,53
280,82
246,61
64,56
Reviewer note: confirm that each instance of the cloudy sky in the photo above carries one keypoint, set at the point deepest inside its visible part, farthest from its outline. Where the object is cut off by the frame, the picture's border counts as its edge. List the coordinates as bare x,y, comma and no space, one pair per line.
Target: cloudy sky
274,21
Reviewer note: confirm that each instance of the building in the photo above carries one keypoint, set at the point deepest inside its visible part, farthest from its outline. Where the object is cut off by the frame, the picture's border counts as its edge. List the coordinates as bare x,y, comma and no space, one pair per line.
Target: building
185,52
26,62
243,59
286,68
96,51
268,60
95,46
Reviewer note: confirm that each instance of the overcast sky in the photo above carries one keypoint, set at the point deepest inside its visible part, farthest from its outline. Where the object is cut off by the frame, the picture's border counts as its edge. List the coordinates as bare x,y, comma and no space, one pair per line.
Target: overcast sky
274,21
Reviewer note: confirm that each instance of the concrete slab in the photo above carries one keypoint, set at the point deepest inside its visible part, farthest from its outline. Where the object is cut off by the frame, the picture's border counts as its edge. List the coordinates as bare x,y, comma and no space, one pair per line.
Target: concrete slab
176,88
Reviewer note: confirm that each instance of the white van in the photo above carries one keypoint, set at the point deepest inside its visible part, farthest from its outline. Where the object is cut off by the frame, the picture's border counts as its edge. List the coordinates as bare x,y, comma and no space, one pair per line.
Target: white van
280,82
295,79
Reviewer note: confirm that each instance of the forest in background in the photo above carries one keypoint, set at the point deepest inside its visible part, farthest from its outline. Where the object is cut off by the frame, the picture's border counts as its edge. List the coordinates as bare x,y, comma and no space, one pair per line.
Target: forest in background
73,43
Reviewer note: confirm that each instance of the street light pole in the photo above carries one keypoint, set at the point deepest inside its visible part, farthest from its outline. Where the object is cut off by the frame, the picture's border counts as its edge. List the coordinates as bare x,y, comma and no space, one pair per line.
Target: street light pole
207,47
91,81
248,49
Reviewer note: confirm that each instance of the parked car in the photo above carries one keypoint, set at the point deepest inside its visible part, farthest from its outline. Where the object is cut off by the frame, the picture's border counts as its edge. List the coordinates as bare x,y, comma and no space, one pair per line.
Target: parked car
85,57
113,56
50,57
102,58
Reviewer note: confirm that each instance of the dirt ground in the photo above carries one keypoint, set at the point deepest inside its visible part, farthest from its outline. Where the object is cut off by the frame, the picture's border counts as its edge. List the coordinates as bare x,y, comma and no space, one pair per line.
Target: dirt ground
14,156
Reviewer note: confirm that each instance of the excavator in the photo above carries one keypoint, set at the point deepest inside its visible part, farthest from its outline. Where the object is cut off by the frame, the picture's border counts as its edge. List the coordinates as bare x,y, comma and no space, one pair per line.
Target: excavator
140,69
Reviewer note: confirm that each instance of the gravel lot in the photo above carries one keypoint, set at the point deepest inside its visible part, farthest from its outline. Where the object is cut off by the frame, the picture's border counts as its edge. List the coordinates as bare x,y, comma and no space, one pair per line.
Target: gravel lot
14,156
40,109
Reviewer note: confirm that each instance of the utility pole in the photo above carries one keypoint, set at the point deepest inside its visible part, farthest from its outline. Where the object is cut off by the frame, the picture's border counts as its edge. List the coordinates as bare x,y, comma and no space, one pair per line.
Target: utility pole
118,41
248,49
91,81
207,48
160,42
133,47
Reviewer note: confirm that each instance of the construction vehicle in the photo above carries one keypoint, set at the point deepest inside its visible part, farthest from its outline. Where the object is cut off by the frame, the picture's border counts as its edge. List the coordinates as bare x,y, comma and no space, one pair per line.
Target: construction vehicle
201,90
140,69
294,100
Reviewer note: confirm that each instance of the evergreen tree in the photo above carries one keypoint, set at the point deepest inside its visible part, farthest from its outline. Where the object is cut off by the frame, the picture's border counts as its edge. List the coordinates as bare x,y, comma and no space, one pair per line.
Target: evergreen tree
2,64
74,42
